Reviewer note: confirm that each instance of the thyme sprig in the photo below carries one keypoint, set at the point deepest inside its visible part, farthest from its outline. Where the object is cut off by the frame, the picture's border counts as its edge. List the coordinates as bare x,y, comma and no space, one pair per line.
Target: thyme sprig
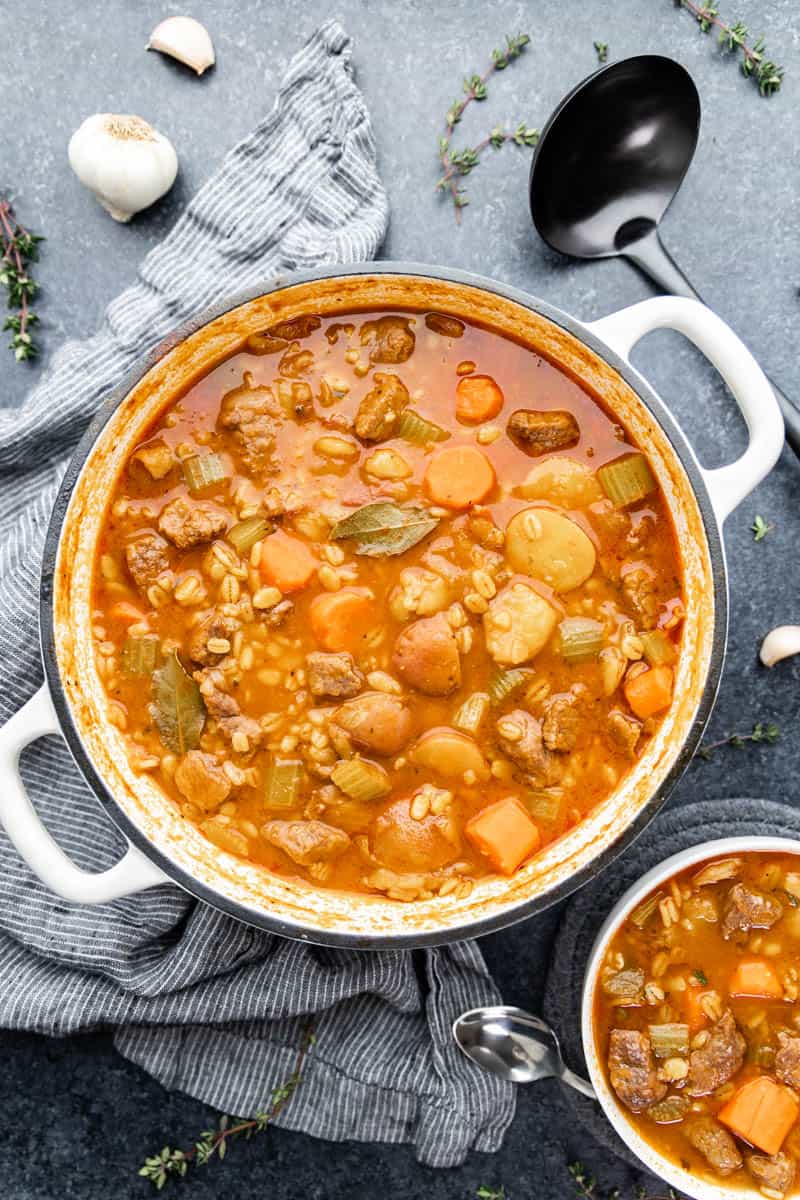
734,39
457,163
762,732
19,249
173,1164
587,1188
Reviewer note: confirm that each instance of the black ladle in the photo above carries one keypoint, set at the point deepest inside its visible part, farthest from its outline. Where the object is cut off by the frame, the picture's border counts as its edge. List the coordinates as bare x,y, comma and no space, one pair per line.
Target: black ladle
608,164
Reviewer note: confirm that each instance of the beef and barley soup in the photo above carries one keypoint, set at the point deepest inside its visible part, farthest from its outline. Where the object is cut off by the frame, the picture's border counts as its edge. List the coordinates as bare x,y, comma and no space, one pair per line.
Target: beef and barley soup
698,1021
387,603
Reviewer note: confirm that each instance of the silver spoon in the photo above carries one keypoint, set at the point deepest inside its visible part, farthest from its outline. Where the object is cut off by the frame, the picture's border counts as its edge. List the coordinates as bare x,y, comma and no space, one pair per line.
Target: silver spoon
608,164
515,1045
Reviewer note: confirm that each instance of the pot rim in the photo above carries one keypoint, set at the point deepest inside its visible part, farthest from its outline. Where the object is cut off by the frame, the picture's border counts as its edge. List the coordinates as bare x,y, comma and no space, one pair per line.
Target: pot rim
505,917
652,1159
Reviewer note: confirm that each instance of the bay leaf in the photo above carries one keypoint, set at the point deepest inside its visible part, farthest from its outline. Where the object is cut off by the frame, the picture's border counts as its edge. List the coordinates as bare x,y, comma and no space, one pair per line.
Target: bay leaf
384,528
178,708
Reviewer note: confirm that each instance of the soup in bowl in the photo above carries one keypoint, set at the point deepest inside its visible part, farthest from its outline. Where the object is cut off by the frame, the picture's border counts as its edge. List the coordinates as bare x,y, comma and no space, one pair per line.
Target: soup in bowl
691,1019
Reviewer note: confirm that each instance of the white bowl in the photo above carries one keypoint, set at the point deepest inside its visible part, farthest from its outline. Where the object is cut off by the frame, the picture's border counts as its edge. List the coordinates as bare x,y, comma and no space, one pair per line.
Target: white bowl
672,1174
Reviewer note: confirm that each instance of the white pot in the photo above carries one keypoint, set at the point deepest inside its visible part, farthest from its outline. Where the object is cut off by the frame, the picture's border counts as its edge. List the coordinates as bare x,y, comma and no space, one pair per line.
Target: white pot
163,846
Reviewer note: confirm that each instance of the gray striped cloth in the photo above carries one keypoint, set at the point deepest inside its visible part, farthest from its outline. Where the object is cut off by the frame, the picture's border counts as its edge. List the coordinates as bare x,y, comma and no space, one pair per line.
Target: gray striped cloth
203,1003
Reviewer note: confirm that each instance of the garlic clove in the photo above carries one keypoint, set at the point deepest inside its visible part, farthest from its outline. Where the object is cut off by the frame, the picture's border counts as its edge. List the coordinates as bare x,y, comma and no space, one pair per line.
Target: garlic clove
780,643
185,39
125,161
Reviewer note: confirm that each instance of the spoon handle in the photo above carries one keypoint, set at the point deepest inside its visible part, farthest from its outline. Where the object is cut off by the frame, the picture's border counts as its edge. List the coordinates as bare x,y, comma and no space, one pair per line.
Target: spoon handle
650,256
579,1084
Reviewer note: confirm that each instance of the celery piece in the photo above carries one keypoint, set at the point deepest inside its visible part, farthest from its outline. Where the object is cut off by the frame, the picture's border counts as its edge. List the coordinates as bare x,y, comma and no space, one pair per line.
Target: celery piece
202,470
282,785
627,479
580,639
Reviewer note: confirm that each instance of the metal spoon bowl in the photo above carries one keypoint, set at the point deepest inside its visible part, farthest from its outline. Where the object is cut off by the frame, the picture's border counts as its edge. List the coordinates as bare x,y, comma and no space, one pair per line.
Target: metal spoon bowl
515,1045
608,164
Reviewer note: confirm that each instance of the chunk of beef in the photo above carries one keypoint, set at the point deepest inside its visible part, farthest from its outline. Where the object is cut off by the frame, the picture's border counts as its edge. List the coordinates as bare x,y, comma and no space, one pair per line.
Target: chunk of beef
632,1069
787,1060
719,1059
155,457
519,736
776,1173
215,625
446,326
375,722
333,674
562,719
623,732
391,339
273,618
746,909
191,522
639,587
226,712
714,1143
426,656
253,414
298,327
200,778
306,842
543,432
378,412
147,557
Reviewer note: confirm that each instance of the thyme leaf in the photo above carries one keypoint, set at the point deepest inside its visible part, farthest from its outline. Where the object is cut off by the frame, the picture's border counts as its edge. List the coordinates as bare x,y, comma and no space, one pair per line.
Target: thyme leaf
601,49
760,529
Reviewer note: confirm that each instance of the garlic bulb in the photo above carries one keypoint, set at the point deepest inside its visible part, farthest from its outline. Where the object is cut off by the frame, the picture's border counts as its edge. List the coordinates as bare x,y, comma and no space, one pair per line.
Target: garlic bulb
780,643
185,39
124,161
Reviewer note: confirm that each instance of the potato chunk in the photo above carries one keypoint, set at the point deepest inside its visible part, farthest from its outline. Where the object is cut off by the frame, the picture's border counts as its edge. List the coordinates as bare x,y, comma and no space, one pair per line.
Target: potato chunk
426,656
419,592
449,753
518,624
404,844
562,481
549,546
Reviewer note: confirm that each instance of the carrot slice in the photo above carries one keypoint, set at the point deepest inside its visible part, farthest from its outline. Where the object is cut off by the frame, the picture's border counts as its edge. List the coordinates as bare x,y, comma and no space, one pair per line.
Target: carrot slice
505,833
458,476
126,612
478,398
762,1112
650,692
286,561
341,620
755,977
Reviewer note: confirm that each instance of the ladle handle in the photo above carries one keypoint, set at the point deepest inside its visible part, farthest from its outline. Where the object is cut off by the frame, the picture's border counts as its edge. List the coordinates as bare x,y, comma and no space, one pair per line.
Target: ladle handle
652,258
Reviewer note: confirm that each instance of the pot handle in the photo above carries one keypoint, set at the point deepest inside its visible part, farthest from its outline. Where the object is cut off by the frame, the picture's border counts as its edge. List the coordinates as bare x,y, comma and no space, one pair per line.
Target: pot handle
133,872
728,485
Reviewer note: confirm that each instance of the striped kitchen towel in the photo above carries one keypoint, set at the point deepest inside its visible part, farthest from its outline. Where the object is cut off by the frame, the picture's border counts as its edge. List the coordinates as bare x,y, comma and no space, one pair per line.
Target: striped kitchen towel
205,1004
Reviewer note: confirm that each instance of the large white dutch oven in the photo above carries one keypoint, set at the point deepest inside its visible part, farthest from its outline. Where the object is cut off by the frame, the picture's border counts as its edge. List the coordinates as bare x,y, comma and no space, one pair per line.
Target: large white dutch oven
163,847
665,1168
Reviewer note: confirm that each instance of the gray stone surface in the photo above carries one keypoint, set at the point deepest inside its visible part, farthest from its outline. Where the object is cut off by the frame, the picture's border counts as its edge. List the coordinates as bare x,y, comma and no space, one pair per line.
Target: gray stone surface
78,1119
